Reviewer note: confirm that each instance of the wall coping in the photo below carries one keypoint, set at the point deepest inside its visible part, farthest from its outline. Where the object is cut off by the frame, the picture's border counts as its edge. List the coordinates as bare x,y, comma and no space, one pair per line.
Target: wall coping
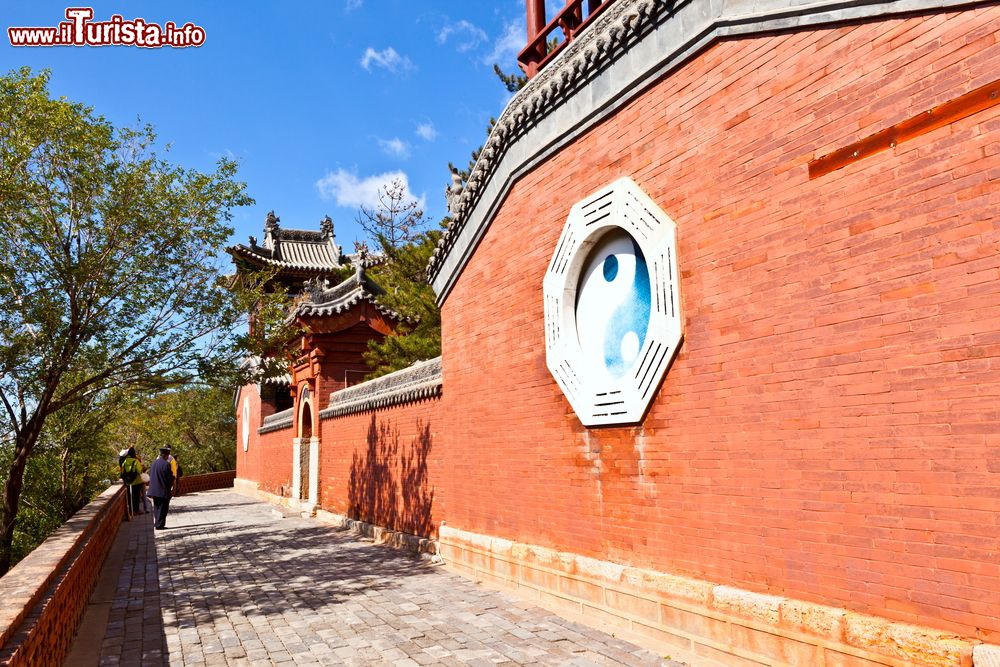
28,582
631,45
421,380
277,421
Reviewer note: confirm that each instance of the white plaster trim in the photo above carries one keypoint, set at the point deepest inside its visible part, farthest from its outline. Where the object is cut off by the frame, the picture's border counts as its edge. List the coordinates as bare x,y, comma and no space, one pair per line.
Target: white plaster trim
598,397
861,635
986,655
245,423
313,472
296,468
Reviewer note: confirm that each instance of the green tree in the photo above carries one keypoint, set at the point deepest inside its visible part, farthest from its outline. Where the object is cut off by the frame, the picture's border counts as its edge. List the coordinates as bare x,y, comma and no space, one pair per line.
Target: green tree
512,82
197,422
402,275
397,227
109,268
73,461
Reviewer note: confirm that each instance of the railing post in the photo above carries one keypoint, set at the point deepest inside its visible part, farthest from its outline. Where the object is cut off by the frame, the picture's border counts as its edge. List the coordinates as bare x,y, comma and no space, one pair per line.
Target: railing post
536,18
536,24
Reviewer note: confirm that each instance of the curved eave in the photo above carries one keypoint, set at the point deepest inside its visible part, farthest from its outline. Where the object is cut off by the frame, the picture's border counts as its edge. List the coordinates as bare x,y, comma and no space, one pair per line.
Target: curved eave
243,253
345,304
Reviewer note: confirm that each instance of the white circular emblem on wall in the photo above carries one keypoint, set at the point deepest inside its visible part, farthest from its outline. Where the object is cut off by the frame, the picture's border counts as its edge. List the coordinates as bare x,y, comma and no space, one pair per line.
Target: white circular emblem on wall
246,423
612,304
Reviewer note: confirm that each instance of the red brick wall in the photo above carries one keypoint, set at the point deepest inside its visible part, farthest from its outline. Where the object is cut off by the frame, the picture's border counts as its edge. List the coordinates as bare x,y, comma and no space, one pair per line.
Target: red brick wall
375,466
274,473
44,596
268,459
829,430
248,463
207,481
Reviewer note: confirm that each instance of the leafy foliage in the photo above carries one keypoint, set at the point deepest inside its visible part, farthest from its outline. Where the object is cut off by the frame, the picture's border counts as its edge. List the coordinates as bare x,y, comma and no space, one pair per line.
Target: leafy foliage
396,226
73,461
196,422
402,275
512,82
109,271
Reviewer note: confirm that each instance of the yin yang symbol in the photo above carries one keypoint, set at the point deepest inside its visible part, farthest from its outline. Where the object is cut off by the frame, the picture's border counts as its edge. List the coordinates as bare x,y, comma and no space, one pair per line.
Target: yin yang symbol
613,303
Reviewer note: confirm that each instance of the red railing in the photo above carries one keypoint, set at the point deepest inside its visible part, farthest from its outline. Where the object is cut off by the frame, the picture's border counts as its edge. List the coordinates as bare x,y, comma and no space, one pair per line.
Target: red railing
571,19
207,482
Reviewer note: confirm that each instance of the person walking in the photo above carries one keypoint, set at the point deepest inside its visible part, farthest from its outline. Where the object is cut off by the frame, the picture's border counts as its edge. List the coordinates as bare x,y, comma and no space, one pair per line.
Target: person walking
175,466
161,486
131,470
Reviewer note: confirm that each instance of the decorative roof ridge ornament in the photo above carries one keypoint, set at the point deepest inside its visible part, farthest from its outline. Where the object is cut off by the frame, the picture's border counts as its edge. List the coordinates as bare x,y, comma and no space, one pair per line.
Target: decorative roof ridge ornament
453,194
272,232
326,227
589,52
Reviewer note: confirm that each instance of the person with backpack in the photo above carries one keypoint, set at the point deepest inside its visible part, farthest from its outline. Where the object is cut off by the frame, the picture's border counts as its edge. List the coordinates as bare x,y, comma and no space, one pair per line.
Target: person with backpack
131,471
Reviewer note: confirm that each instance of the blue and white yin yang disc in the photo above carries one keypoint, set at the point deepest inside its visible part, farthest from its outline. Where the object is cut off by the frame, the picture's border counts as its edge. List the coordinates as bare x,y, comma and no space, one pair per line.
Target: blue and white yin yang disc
613,303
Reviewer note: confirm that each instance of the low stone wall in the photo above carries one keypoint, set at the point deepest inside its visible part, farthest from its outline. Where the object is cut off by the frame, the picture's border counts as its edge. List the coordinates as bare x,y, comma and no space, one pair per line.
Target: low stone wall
207,482
727,625
44,596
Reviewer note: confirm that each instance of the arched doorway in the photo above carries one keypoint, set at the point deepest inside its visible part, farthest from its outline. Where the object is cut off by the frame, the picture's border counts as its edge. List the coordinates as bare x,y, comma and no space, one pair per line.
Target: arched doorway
305,440
305,424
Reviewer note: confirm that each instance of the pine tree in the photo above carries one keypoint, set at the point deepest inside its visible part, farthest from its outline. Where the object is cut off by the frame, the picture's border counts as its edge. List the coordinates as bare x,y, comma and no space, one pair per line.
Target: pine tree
396,227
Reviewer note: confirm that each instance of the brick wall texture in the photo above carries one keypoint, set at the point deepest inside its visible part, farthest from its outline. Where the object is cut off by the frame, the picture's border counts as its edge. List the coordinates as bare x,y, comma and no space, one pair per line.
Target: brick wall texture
268,459
44,596
829,430
207,481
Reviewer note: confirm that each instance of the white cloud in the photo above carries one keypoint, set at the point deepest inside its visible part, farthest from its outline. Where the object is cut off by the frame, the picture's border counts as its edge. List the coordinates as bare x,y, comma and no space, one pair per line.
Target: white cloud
427,131
508,45
351,5
465,35
348,190
395,147
387,58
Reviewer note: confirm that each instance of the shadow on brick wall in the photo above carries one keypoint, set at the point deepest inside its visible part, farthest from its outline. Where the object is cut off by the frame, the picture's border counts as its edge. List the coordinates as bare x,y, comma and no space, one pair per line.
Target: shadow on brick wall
388,485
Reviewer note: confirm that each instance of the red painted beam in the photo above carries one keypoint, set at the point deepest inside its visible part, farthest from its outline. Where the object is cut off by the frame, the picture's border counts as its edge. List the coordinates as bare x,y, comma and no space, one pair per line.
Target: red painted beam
944,114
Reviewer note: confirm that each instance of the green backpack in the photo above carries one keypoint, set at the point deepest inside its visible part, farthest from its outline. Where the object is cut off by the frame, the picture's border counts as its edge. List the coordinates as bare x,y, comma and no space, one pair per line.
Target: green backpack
130,470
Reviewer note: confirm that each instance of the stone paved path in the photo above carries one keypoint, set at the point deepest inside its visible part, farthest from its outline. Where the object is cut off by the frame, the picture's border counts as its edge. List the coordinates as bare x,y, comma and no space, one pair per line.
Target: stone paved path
232,583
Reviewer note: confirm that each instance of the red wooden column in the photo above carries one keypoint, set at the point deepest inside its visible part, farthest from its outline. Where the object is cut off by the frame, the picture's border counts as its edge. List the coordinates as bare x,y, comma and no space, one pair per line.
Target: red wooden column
536,18
530,57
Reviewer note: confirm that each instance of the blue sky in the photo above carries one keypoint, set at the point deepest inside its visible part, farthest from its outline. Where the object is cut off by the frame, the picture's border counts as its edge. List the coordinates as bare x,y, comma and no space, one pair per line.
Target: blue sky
319,101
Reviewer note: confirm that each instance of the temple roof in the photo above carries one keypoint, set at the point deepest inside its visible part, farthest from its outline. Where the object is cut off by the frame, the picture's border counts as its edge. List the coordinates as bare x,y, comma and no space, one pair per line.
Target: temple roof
294,250
300,253
319,299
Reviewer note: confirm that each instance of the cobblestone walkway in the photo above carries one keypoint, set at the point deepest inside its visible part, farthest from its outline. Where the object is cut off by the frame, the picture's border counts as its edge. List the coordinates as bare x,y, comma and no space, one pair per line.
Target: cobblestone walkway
232,583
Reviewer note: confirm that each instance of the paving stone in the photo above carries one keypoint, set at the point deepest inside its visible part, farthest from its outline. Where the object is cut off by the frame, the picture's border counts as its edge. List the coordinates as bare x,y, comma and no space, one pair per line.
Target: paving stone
246,588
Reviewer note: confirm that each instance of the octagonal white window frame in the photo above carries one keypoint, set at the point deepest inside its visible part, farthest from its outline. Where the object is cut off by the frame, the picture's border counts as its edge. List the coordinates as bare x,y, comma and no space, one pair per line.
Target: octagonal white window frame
598,399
